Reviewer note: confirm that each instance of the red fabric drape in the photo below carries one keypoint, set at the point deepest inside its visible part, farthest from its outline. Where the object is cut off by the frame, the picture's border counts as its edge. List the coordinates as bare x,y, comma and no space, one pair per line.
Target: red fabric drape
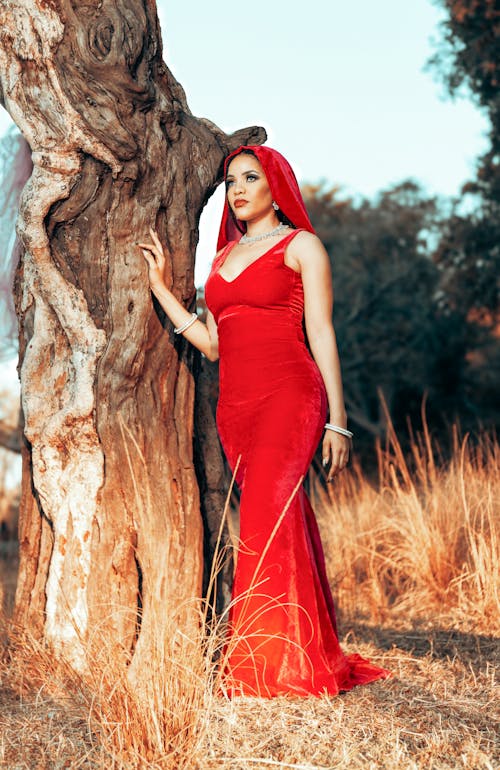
284,188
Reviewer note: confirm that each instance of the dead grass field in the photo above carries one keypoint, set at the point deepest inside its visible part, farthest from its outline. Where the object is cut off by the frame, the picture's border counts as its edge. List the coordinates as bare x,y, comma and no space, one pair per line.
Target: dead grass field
414,565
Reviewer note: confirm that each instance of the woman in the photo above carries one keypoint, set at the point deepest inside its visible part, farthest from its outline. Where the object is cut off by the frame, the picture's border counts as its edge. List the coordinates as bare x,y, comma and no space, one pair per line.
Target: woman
271,272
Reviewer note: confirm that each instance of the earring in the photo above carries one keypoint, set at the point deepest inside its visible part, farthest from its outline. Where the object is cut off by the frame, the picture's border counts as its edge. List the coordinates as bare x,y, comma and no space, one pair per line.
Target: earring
275,206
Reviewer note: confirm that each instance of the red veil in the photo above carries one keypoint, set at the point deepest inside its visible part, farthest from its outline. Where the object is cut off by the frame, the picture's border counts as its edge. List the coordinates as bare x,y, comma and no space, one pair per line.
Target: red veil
284,188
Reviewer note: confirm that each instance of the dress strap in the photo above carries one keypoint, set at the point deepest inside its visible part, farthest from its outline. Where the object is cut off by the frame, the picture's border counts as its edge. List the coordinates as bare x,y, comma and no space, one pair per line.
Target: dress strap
291,236
282,245
220,256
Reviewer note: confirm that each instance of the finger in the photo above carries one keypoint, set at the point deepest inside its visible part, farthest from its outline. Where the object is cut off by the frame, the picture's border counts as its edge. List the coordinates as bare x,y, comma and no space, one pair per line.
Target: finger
149,246
337,462
156,240
149,258
333,472
342,462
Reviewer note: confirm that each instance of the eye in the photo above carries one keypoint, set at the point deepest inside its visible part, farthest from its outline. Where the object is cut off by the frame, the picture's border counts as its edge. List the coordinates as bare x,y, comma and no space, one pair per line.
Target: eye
229,182
251,177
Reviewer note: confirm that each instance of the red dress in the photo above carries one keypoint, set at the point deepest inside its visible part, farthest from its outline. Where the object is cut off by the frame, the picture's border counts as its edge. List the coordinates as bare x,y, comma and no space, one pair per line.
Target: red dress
271,413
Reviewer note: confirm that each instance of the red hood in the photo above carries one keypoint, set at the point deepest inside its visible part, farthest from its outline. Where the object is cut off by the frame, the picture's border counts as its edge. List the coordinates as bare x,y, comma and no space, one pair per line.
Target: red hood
284,188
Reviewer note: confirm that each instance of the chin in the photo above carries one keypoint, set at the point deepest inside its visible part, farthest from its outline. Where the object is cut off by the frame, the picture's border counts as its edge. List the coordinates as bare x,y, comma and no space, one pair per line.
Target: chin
241,217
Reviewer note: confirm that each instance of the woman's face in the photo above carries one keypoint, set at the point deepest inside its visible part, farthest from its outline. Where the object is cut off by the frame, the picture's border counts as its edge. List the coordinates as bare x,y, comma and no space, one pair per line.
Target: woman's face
247,190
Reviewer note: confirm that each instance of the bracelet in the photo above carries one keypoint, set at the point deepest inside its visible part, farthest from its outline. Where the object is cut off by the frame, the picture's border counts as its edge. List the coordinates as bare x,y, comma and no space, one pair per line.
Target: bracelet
338,429
180,329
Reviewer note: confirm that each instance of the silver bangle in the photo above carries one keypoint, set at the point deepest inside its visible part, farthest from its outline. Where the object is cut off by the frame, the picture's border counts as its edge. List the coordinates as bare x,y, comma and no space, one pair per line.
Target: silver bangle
180,329
338,429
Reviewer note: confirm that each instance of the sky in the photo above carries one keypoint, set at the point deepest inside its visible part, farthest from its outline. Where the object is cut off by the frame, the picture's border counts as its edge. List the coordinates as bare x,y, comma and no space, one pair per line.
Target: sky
339,86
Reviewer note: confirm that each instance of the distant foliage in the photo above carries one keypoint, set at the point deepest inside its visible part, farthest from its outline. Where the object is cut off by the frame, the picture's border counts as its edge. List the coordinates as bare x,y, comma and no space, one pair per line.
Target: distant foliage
468,52
468,56
468,254
384,286
400,332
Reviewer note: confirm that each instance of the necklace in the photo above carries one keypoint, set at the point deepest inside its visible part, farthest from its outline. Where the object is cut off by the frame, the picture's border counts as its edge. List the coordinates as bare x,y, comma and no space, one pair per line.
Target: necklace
254,238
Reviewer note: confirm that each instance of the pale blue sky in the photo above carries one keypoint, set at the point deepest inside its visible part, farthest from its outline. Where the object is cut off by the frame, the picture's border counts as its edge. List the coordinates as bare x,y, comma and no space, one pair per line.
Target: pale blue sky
339,86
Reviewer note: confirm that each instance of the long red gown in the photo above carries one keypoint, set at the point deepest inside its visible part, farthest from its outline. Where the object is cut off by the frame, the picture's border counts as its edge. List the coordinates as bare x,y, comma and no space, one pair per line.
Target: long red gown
271,413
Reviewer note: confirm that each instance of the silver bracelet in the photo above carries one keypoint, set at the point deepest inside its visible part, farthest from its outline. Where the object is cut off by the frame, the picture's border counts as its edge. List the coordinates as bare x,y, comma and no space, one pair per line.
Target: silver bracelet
180,329
338,429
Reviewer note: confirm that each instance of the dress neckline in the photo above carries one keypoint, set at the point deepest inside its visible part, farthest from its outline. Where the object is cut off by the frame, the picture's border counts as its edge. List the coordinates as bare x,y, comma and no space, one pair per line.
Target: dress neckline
268,251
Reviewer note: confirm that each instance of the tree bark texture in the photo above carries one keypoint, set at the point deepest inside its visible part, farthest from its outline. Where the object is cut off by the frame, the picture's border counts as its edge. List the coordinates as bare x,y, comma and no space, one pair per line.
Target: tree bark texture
213,483
110,511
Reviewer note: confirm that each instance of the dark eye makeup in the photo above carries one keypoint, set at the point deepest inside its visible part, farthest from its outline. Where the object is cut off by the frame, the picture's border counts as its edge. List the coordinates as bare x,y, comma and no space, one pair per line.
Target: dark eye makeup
250,177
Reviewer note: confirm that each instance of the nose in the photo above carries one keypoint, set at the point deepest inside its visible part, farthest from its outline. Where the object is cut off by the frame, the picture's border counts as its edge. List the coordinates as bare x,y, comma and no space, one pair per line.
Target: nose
239,185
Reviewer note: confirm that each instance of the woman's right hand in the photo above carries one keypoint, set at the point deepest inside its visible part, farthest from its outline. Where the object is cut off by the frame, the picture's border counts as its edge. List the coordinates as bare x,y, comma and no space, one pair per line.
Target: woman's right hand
156,260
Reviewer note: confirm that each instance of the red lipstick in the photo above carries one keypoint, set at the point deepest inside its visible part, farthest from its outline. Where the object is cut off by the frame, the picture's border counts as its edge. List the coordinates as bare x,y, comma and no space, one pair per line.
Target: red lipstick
240,202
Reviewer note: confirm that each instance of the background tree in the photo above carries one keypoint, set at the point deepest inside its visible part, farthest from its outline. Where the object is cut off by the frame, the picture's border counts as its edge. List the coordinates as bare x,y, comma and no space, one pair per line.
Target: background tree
403,332
384,311
110,519
467,60
468,254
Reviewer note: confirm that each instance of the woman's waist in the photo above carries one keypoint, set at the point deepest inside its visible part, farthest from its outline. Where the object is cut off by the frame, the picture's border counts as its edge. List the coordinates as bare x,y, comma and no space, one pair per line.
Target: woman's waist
246,327
274,387
268,368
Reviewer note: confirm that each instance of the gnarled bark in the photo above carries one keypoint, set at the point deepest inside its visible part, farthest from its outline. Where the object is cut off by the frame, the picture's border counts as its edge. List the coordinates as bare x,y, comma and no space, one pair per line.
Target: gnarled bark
110,501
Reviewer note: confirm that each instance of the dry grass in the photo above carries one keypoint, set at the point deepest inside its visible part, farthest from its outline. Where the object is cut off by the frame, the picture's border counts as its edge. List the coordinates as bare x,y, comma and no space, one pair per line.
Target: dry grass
437,712
424,543
8,579
414,565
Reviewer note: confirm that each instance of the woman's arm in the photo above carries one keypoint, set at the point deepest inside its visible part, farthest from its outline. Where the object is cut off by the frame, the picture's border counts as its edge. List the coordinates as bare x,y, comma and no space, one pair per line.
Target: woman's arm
202,336
307,253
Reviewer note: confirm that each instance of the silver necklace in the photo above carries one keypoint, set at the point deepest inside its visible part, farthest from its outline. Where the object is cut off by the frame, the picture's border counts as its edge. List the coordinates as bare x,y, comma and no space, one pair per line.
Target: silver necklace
254,238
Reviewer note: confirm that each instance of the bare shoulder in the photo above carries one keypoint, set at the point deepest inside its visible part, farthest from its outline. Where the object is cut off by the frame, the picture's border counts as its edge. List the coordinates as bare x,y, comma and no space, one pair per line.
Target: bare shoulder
306,250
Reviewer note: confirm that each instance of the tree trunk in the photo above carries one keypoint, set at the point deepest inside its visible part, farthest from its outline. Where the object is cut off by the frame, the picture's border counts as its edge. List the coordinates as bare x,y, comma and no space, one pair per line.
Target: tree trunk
214,485
110,511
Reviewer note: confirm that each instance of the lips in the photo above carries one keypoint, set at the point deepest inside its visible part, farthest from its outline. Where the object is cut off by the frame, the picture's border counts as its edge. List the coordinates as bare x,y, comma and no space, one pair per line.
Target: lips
239,203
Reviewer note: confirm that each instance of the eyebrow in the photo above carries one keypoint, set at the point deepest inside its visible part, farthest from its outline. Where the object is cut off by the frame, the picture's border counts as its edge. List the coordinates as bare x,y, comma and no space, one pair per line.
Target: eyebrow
249,171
